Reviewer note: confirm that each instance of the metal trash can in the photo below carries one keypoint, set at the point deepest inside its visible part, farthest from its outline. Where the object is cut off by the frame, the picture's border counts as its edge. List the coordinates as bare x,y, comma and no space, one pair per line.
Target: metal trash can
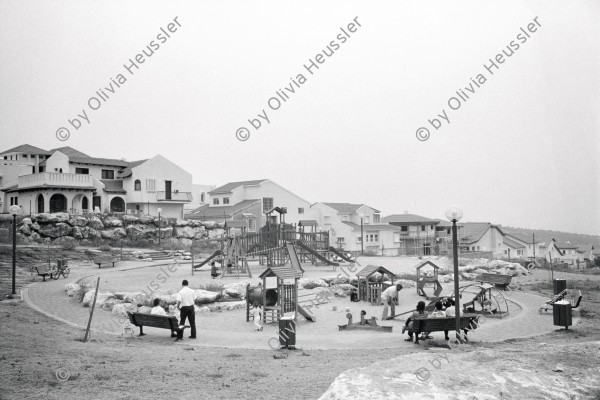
562,313
287,332
559,285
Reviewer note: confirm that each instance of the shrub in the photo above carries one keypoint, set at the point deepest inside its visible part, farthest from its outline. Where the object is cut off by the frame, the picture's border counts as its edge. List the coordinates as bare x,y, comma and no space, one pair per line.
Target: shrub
69,245
105,247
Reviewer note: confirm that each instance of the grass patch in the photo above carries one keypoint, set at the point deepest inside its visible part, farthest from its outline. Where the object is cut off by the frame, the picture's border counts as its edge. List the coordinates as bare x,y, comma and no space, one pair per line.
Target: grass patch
214,376
232,355
280,356
259,374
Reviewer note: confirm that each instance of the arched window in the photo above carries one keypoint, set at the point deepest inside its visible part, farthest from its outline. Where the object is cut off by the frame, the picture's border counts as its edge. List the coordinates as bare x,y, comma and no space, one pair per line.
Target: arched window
40,204
137,185
117,205
58,203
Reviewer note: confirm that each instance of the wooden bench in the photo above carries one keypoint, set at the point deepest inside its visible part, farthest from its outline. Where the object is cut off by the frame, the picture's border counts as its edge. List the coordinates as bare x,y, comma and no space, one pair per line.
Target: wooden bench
44,271
498,280
154,321
105,260
426,325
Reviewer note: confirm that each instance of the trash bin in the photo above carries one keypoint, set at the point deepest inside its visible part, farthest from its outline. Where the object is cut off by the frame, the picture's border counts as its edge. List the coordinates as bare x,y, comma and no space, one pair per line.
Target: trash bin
287,332
559,285
562,313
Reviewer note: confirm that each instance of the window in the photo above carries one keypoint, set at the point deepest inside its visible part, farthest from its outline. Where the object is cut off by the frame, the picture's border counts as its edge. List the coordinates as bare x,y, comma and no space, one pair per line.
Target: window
252,225
202,197
225,200
108,174
448,231
376,218
430,226
422,228
25,156
300,210
216,201
327,220
137,185
358,239
372,237
150,185
82,171
267,203
404,228
41,168
341,240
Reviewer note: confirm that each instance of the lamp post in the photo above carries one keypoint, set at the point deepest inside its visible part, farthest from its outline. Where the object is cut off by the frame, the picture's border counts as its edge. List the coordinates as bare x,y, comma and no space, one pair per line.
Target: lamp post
14,210
362,238
159,211
454,214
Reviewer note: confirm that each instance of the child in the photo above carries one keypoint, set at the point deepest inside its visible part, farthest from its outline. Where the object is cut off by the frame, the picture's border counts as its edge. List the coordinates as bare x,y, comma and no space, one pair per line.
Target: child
257,315
213,270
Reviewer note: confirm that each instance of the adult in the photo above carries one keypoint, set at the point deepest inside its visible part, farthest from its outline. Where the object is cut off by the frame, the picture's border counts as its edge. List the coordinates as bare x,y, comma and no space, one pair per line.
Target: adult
158,310
451,312
388,298
185,303
418,313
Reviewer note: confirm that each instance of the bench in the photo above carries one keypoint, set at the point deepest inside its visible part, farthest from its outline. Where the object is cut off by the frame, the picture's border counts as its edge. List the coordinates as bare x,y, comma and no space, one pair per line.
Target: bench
426,325
44,271
498,280
155,321
105,260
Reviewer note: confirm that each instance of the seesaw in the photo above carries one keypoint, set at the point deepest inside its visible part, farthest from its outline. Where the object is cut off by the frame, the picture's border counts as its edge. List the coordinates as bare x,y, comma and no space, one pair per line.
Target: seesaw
364,324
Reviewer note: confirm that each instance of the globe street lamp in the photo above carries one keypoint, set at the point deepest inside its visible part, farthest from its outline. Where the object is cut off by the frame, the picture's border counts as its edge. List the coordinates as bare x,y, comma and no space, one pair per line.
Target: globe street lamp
14,210
454,214
159,233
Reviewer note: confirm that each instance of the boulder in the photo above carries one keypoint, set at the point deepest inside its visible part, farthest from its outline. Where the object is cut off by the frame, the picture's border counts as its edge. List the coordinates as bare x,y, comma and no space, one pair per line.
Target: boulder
79,233
237,305
181,222
205,297
72,288
140,231
35,237
221,225
112,222
185,232
88,298
95,223
166,232
27,221
479,271
47,218
164,222
25,230
215,233
91,233
204,309
130,219
209,224
339,280
77,220
114,234
65,239
122,309
236,289
345,288
146,220
309,283
109,304
144,310
55,230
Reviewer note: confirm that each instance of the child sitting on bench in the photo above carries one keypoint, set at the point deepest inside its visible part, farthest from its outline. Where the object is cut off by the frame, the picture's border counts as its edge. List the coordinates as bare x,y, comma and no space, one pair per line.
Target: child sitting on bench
418,313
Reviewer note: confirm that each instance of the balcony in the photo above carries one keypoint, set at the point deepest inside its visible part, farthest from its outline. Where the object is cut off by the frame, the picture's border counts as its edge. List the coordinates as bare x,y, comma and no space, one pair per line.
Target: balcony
177,197
55,179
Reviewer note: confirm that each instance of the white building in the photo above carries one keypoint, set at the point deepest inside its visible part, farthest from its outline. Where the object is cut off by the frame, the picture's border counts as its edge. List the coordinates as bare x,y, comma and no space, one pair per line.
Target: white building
67,180
250,201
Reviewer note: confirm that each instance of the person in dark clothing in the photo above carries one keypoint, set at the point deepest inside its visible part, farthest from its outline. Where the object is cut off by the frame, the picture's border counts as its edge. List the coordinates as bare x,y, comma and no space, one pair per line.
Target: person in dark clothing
418,313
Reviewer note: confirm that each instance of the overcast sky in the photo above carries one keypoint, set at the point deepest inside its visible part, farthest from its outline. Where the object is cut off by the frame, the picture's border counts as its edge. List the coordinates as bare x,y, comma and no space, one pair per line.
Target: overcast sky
522,150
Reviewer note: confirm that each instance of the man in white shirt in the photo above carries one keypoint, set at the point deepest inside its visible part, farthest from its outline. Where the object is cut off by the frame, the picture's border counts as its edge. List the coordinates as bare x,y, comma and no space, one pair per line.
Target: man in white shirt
388,299
185,304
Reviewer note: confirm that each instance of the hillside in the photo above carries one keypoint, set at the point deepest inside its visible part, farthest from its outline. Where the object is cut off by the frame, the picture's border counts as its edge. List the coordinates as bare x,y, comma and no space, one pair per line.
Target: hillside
547,235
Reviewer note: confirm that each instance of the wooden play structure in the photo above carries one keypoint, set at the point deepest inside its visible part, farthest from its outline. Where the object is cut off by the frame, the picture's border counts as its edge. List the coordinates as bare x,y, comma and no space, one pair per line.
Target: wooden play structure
284,299
370,288
231,256
364,324
423,280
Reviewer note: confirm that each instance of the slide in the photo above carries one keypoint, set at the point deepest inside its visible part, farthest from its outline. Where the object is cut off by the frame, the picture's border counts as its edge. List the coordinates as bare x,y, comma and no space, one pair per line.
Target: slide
307,315
203,263
316,255
340,255
294,260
